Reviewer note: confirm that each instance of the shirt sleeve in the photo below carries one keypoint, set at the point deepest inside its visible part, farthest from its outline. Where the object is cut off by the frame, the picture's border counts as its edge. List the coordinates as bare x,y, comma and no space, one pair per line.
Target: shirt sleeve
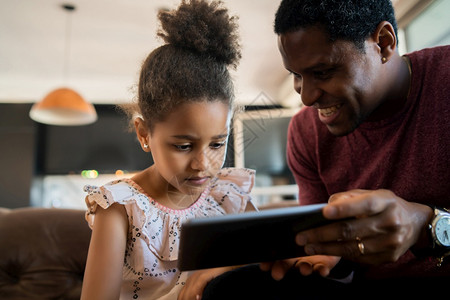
232,188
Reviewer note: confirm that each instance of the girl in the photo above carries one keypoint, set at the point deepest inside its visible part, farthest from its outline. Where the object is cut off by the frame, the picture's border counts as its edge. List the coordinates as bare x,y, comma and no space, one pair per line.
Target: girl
185,100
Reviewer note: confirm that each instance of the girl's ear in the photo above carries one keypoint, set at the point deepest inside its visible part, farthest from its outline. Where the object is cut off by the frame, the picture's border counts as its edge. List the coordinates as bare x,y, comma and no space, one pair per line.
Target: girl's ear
142,133
386,40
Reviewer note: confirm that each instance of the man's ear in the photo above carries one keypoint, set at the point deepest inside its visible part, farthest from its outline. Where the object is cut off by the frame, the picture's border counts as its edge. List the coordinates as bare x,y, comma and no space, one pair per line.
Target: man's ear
386,40
142,133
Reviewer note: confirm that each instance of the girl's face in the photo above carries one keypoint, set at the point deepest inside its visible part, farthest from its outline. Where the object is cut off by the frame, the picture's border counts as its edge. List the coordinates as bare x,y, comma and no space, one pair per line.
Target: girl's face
189,146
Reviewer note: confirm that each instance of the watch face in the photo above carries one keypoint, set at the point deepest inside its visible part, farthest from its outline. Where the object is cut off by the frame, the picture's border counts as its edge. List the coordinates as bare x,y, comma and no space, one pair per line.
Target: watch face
442,230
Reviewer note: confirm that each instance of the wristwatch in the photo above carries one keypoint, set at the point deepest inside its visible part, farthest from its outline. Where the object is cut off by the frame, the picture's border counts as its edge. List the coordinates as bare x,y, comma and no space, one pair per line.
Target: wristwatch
440,233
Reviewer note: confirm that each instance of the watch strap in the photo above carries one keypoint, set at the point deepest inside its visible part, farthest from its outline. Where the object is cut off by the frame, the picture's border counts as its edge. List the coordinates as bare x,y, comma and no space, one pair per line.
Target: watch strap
437,250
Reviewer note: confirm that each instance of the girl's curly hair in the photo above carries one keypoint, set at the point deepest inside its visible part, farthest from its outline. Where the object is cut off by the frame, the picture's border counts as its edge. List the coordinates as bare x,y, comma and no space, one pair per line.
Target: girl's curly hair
201,43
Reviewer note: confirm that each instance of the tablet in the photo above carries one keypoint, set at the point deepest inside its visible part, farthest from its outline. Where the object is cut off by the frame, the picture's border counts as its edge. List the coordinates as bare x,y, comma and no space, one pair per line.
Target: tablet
245,238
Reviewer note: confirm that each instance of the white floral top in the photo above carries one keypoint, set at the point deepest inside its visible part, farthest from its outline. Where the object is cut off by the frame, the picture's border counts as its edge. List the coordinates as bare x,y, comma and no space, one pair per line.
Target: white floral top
150,264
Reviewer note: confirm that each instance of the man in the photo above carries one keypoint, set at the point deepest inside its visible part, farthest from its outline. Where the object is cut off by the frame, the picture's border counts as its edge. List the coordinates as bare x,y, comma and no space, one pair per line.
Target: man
374,142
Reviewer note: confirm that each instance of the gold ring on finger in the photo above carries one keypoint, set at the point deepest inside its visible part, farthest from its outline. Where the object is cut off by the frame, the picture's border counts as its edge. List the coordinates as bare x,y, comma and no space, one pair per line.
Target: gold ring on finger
360,245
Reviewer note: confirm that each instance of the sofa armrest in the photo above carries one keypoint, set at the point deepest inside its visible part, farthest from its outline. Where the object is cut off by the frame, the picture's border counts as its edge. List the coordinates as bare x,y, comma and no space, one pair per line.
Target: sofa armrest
43,253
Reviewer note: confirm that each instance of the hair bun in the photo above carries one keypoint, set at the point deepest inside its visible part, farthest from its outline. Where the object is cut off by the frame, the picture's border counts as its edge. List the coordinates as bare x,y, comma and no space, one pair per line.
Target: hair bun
204,28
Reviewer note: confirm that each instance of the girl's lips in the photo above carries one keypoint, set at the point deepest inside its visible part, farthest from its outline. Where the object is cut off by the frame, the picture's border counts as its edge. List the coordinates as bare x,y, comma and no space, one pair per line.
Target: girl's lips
198,180
329,115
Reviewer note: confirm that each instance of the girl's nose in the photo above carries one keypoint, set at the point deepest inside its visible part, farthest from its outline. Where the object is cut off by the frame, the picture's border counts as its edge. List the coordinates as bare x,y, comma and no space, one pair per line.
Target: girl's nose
200,161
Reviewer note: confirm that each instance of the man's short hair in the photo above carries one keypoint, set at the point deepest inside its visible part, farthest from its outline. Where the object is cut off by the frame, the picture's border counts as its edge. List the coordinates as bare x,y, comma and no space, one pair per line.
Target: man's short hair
351,20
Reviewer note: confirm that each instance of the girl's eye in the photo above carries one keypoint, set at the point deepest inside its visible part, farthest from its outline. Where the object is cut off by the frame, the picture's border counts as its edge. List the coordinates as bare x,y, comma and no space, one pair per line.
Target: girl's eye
218,145
184,147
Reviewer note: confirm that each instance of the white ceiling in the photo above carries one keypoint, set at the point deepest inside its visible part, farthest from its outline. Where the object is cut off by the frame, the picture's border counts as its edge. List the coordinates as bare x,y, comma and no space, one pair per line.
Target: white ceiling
109,40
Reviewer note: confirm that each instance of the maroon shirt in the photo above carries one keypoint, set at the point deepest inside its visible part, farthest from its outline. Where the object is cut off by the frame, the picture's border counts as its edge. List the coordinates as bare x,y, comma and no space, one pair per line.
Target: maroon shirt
408,153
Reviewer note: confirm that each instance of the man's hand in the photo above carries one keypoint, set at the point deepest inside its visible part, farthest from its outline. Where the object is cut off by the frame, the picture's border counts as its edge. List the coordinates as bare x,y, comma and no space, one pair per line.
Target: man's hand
379,227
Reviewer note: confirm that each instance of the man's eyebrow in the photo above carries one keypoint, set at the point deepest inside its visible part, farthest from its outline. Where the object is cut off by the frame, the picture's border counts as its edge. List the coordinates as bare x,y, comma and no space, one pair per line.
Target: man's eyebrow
317,66
311,68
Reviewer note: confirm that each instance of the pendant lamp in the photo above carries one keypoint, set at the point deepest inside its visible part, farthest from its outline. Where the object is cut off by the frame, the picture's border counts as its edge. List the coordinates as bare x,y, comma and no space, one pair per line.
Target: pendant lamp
64,106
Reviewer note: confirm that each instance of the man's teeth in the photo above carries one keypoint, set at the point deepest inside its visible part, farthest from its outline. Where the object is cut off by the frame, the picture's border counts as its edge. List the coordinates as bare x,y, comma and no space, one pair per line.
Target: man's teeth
329,110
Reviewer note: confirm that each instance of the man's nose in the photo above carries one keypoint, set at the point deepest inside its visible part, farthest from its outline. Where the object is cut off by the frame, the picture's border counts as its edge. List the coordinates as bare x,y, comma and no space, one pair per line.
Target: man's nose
309,92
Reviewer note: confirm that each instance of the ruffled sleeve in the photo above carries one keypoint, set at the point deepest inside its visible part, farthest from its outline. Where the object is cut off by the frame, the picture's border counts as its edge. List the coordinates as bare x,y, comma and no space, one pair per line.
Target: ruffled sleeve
96,196
231,189
119,191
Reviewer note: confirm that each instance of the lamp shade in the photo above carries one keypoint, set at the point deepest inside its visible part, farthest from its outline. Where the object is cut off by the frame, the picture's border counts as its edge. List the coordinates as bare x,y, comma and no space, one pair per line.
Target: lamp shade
63,107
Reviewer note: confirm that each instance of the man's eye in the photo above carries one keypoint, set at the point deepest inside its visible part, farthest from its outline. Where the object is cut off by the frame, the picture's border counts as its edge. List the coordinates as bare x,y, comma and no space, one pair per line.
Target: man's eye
298,76
325,74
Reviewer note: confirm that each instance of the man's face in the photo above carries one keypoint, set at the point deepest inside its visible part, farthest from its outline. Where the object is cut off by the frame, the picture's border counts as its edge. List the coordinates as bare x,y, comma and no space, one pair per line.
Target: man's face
338,79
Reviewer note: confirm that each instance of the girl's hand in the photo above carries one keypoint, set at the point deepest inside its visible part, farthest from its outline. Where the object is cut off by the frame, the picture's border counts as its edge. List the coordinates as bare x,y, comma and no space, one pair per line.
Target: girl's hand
321,264
306,265
195,284
376,227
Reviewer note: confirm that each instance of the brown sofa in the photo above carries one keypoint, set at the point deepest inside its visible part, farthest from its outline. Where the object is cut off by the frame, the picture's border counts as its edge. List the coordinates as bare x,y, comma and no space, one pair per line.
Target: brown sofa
42,253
